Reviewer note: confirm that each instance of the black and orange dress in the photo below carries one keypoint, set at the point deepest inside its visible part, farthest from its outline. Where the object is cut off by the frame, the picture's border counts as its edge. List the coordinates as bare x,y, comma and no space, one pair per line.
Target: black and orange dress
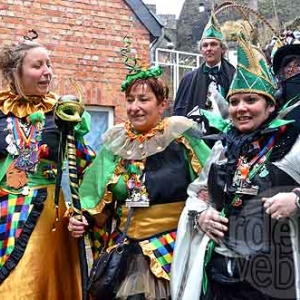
153,171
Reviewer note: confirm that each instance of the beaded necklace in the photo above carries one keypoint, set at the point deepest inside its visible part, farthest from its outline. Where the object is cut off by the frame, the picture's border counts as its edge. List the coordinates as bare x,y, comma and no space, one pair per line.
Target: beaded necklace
23,139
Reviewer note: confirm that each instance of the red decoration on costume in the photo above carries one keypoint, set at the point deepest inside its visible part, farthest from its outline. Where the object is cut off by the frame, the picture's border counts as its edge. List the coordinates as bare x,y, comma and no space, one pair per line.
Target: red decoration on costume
237,202
43,151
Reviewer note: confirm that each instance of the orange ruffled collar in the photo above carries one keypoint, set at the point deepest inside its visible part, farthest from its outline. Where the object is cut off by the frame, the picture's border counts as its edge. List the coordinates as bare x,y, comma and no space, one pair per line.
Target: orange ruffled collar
20,107
142,137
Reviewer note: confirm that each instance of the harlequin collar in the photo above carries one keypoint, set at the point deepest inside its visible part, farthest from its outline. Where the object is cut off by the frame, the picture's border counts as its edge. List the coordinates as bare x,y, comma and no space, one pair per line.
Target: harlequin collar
21,107
142,137
122,141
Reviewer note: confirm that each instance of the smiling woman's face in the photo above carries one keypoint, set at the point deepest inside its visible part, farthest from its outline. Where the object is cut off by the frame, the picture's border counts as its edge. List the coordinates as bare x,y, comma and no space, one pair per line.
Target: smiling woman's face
143,110
248,111
36,72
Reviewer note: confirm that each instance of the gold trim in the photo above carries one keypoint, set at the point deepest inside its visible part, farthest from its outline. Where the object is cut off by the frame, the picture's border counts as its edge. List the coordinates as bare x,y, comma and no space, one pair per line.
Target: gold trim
117,141
143,137
31,188
147,222
250,91
155,266
98,212
258,71
193,158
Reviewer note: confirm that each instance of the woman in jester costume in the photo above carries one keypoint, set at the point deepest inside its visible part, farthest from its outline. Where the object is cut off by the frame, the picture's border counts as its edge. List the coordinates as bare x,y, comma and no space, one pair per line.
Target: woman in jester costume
234,243
38,258
146,163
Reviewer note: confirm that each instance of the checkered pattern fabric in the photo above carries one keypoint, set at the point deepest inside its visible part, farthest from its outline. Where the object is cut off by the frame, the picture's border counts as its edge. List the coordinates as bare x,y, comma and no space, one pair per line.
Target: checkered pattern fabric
84,155
98,238
14,211
163,249
159,249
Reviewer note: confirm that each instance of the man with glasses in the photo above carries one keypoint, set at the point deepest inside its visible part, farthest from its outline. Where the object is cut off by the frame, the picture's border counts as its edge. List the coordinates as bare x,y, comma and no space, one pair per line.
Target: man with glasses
286,67
292,67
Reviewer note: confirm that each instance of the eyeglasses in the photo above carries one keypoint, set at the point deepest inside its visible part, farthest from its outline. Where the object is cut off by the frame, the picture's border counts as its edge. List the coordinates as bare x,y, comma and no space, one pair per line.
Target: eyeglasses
292,68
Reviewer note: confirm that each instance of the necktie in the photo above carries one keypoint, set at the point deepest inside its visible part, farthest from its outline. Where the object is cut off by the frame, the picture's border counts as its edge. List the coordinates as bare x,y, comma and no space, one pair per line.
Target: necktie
213,70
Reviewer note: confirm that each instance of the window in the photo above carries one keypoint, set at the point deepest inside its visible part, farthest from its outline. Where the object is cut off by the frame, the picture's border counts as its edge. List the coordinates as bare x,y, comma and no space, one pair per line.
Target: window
102,119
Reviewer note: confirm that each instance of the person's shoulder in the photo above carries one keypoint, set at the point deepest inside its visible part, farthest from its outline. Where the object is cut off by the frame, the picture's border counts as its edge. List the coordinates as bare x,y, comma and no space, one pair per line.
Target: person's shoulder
225,62
181,120
177,125
53,95
115,129
191,74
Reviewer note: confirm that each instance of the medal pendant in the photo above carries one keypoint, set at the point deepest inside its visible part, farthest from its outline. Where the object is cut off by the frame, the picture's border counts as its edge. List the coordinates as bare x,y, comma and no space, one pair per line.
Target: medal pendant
15,177
25,191
138,200
140,204
12,149
248,190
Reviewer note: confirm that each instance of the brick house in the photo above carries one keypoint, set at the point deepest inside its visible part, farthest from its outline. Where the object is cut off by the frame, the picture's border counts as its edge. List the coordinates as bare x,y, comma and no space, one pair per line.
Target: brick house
85,38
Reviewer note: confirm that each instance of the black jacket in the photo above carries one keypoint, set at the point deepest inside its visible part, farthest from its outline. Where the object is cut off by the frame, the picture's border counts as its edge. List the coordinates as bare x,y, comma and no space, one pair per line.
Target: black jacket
193,88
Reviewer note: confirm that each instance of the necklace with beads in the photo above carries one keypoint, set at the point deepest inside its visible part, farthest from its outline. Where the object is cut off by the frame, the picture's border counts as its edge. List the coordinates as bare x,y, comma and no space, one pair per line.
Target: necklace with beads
23,139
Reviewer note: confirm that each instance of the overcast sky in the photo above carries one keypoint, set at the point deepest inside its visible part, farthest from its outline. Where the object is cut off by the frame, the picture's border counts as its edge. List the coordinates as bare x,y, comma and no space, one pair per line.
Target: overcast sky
167,6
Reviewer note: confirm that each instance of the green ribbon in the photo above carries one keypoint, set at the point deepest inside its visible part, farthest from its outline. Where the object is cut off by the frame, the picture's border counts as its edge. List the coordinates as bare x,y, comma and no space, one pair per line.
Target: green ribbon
141,74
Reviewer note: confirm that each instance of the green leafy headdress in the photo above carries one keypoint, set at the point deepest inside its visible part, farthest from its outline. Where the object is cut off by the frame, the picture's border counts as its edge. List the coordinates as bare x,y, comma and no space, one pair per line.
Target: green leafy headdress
136,70
212,30
252,74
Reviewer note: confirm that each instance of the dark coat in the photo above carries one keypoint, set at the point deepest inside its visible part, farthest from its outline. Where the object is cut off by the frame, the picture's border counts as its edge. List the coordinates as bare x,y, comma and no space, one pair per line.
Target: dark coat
193,88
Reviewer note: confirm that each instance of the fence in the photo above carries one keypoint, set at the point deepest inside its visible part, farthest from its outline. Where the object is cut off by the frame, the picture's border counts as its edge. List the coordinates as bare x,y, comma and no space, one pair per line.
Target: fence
175,64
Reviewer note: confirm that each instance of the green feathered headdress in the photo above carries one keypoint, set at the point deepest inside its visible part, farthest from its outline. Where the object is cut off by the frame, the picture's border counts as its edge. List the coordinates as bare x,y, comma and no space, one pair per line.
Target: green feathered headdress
213,30
135,69
252,74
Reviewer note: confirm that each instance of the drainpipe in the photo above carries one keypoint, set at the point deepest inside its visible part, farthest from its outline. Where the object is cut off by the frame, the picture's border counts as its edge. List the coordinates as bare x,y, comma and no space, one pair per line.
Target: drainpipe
154,45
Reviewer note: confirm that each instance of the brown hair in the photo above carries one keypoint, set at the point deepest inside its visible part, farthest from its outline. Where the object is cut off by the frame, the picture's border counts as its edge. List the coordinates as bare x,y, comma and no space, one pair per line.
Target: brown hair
11,61
157,85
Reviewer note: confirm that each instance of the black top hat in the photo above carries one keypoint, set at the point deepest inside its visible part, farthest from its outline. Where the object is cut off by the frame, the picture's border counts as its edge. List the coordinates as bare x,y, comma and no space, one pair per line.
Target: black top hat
282,52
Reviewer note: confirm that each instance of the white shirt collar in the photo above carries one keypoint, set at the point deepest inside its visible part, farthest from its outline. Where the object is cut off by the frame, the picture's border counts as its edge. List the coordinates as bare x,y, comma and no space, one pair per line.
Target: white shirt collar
216,65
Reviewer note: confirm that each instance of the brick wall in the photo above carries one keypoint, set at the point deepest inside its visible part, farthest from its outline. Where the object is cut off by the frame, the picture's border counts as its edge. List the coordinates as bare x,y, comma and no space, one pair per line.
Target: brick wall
85,38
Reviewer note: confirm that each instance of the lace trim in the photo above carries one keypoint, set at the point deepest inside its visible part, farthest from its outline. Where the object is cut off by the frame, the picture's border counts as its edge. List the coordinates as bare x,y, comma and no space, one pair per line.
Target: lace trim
121,141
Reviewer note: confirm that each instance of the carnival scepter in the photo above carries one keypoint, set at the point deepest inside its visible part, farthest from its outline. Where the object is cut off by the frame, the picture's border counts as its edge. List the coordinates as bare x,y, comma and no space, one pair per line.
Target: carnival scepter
67,112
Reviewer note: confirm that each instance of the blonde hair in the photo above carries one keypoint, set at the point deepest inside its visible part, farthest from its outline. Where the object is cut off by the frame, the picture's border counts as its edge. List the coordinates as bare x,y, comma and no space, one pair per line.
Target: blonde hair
11,62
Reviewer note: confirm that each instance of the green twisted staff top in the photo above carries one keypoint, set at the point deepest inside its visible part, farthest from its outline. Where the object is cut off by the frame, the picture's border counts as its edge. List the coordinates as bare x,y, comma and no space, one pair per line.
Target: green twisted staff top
135,69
